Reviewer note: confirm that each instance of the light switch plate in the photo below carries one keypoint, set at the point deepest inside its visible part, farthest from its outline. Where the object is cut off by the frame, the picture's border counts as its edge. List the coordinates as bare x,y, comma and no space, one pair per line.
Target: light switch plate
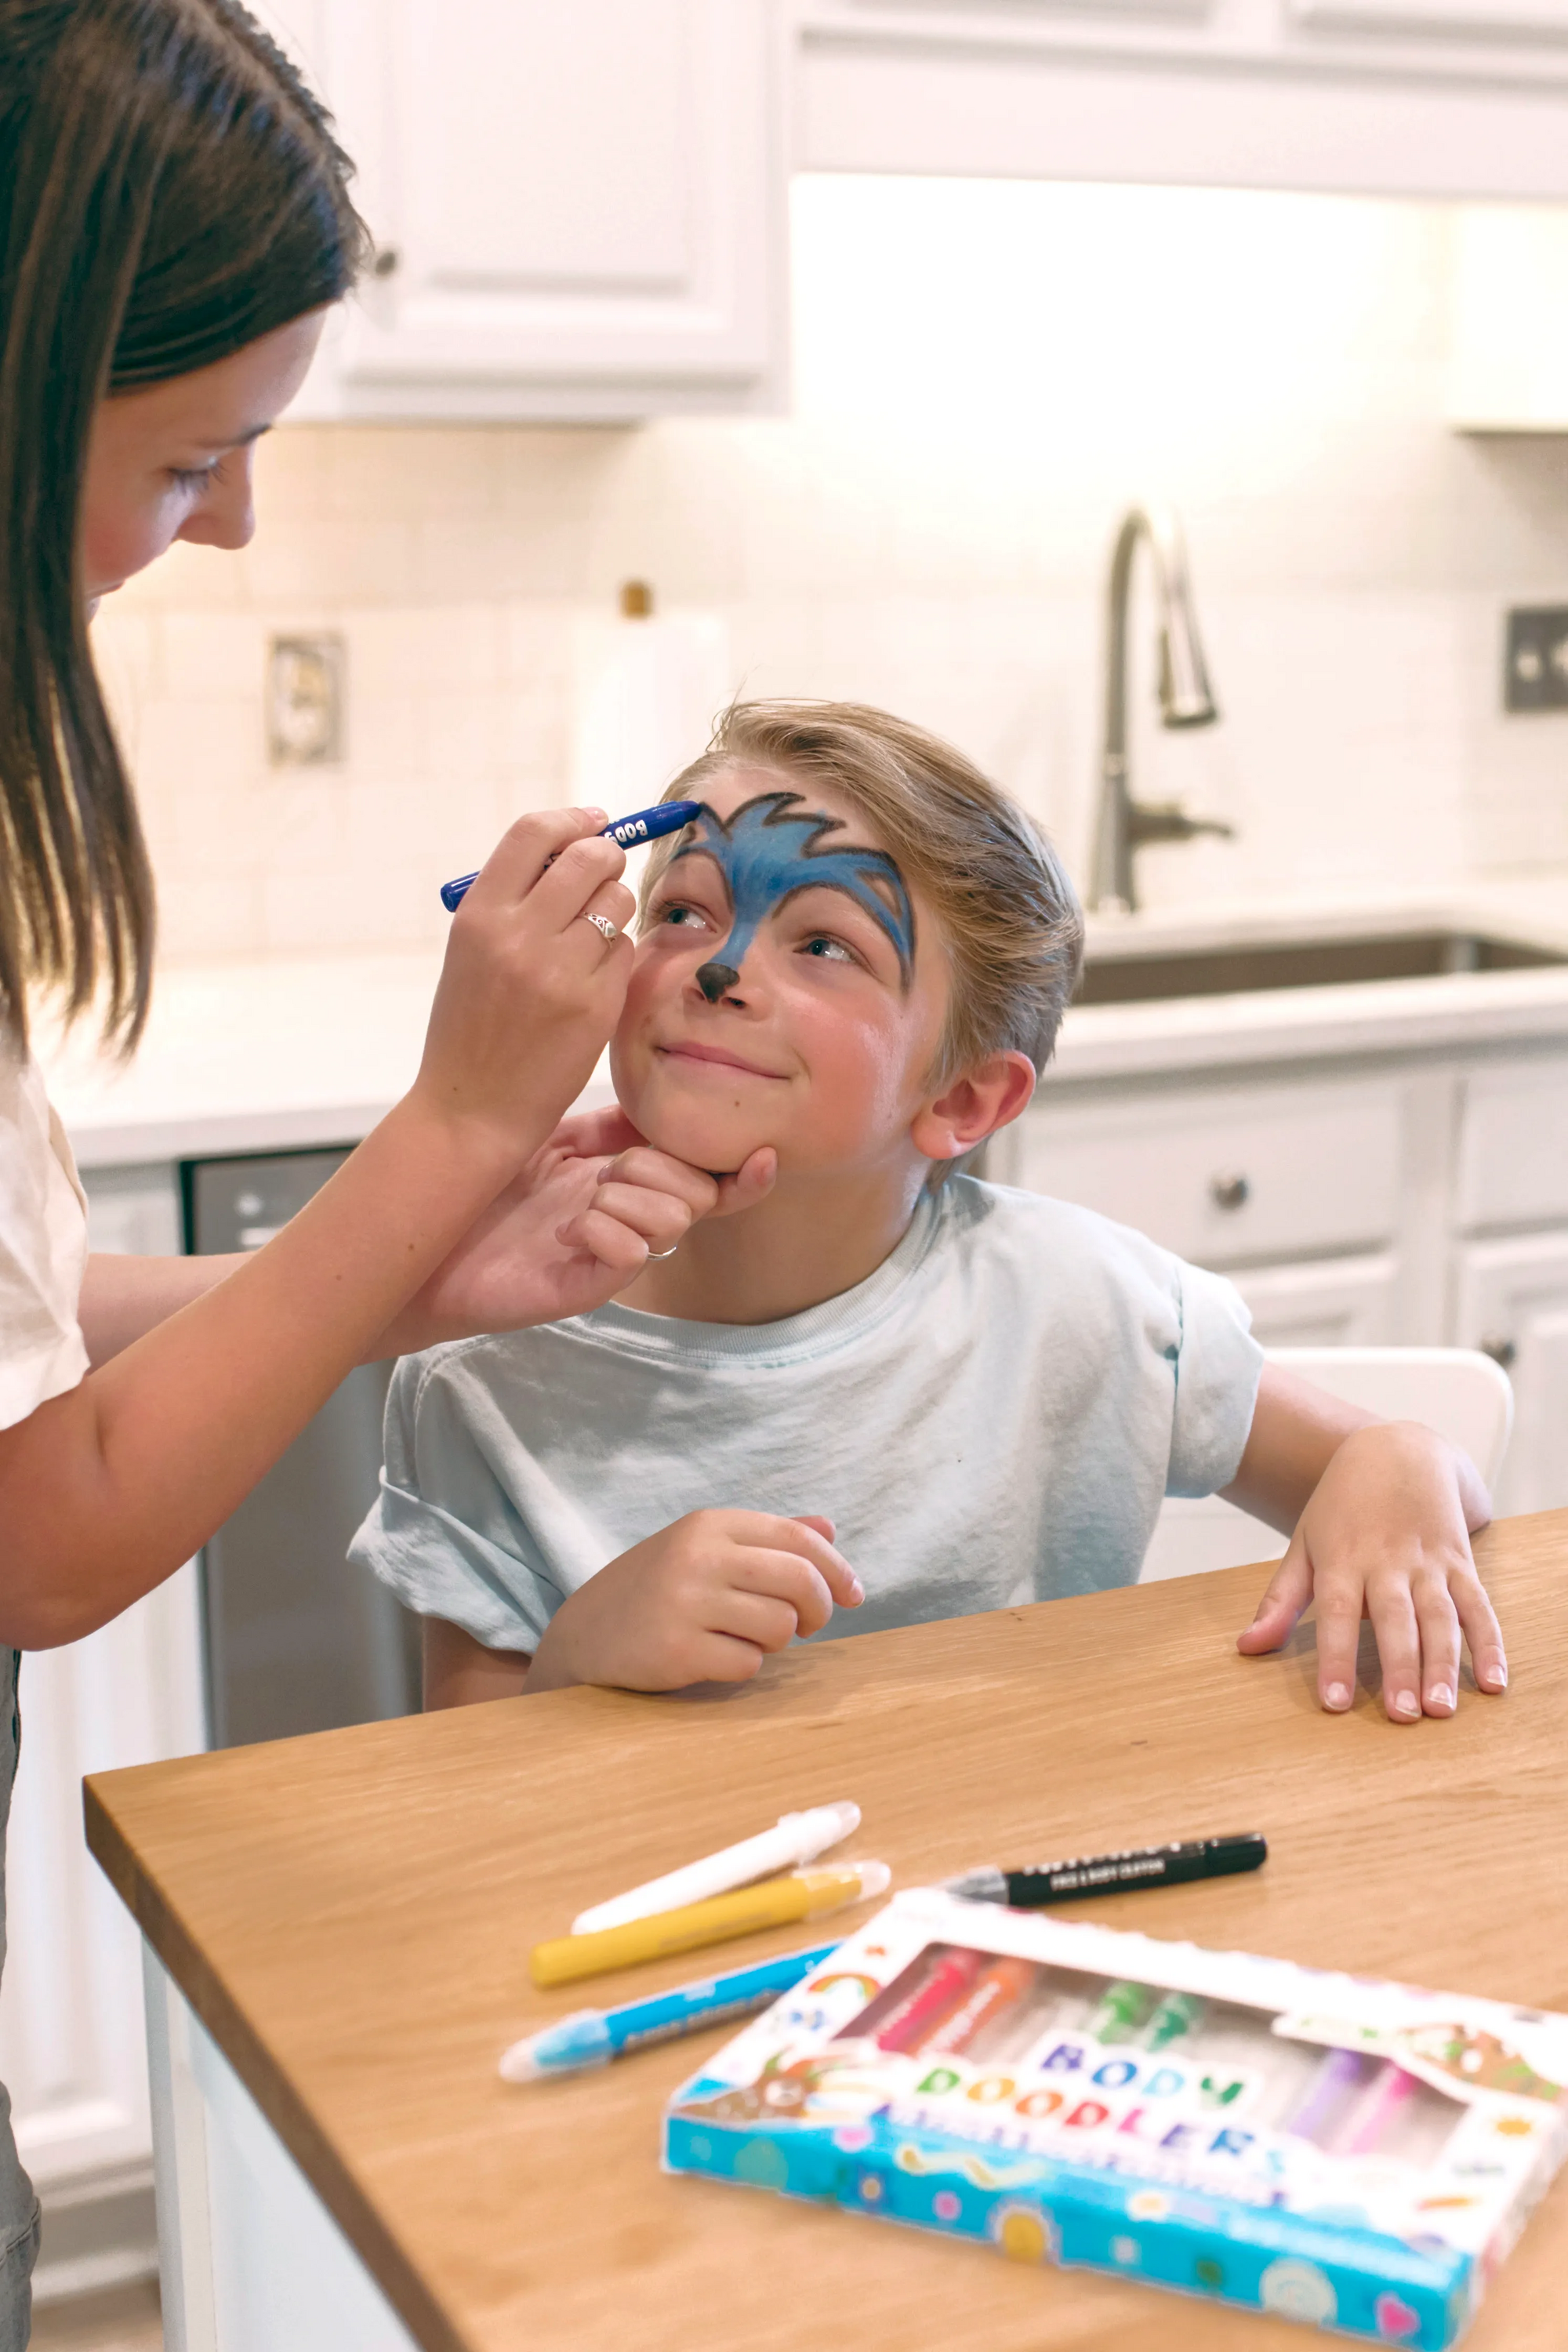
1535,662
305,701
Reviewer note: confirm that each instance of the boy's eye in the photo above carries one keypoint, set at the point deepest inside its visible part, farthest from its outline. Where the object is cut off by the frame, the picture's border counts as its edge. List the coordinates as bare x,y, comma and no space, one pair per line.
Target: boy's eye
830,951
680,913
193,477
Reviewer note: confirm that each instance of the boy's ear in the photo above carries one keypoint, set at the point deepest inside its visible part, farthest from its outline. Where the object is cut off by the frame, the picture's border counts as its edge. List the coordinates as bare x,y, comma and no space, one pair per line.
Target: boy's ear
973,1105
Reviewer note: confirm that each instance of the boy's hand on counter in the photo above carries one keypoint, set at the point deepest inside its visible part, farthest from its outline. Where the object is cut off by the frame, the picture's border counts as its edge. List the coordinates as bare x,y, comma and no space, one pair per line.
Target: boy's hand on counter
575,1227
531,986
703,1602
1386,1536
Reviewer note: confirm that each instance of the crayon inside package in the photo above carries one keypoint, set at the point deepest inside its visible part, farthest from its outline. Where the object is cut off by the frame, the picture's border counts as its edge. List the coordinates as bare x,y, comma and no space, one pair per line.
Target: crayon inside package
1343,2150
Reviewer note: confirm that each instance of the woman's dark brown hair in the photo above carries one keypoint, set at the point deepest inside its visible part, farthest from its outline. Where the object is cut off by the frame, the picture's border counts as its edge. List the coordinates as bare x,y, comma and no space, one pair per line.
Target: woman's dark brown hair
169,191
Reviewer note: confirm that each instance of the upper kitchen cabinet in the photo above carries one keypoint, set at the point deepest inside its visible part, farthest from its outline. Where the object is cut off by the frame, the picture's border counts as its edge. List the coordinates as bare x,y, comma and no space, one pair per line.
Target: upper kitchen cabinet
1508,319
578,206
1459,97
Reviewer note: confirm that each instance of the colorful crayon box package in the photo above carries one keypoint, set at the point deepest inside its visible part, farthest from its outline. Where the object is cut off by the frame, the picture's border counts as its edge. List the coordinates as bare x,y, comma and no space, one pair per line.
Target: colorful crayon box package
1328,2148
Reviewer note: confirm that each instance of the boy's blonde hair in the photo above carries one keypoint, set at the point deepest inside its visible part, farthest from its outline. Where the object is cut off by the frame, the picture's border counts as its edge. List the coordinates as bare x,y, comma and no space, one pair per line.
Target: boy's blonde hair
1007,914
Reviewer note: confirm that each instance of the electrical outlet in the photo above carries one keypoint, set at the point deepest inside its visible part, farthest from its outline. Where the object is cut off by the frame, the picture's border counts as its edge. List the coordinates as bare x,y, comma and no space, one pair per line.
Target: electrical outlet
1535,666
304,701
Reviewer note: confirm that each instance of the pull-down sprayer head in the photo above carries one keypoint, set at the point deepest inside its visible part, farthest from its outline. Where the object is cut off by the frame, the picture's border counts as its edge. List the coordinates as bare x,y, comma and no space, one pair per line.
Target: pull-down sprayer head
1187,699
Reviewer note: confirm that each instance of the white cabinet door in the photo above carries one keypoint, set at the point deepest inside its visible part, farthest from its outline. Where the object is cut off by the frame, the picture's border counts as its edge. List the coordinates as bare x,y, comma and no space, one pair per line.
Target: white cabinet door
1422,98
1513,1146
1507,319
1513,1302
70,2006
578,210
1471,20
1335,1303
250,2260
71,2046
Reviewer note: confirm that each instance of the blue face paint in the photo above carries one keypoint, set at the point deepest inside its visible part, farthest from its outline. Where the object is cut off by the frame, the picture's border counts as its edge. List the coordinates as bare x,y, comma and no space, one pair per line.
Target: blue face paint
766,854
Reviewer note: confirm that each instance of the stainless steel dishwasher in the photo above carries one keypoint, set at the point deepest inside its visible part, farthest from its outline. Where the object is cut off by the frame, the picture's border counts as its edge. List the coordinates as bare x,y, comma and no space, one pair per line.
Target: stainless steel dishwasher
295,1638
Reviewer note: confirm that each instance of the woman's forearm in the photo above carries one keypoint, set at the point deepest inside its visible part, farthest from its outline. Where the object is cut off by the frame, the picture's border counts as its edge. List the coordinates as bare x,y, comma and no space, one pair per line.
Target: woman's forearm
103,1492
123,1297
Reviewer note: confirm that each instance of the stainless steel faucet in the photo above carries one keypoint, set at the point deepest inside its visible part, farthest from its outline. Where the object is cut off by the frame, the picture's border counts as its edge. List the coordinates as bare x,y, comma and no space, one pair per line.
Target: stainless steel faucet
1123,825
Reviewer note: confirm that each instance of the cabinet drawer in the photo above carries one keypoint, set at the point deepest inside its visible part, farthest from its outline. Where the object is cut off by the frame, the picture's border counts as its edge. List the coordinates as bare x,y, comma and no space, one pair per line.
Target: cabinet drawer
1513,1151
1335,1302
1513,1302
1221,1175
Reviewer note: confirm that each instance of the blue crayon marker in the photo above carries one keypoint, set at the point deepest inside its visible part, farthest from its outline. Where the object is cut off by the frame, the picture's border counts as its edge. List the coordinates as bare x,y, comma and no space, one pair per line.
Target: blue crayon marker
592,2037
631,832
766,853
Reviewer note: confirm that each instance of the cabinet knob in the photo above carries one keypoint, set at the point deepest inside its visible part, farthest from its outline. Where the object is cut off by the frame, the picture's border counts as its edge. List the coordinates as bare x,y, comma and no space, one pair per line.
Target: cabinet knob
1230,1192
1501,1351
386,262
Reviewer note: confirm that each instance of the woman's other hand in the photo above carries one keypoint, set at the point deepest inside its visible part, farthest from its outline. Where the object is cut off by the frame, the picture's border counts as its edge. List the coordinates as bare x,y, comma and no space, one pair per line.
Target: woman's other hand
576,1226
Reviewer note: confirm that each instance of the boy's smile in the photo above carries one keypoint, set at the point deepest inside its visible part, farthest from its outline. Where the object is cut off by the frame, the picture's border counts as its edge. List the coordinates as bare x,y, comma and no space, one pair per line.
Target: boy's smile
691,1049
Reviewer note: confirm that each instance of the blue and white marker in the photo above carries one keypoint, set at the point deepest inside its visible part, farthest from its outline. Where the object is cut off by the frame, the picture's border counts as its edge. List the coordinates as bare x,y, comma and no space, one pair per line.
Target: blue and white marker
631,832
592,2037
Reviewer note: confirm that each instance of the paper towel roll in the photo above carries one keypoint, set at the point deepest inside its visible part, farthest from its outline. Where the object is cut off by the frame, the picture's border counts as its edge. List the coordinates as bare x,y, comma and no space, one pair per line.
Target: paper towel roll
646,693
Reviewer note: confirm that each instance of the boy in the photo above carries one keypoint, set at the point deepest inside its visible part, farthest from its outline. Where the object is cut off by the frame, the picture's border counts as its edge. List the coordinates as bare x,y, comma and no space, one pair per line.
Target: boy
850,971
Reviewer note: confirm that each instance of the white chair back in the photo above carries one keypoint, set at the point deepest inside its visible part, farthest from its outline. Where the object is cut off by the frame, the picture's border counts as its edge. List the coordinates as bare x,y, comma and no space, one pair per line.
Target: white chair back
1455,1390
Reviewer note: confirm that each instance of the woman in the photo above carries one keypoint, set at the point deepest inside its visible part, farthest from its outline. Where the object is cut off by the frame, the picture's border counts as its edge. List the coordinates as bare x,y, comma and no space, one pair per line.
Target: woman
175,223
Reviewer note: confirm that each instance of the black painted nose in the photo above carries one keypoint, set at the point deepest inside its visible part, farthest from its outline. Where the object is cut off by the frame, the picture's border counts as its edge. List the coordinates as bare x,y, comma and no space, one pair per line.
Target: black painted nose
715,980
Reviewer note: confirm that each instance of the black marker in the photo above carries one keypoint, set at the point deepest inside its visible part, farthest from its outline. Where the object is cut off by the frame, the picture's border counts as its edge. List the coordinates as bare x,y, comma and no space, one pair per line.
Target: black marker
1112,1873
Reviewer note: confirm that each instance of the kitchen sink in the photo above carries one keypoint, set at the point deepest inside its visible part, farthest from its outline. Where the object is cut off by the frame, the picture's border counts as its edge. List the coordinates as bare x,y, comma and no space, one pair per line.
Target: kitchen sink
1143,978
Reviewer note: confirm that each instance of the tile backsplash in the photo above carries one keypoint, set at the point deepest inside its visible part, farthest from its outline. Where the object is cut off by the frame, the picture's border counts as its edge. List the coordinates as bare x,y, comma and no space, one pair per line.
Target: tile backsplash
986,373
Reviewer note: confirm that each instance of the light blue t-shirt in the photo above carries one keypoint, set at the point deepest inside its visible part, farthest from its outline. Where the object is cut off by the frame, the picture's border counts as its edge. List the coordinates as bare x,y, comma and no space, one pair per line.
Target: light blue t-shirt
992,1417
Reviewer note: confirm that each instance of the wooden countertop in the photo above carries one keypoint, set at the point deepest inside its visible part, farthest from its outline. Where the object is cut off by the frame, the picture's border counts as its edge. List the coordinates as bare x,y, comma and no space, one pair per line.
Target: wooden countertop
350,1914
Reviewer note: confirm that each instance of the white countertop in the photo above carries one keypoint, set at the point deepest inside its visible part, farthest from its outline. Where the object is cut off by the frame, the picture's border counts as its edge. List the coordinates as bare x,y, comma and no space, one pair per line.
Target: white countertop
281,1055
251,1058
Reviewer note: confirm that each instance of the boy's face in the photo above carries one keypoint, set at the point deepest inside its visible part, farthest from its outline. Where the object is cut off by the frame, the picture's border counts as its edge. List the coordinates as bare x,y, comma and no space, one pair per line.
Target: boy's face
786,991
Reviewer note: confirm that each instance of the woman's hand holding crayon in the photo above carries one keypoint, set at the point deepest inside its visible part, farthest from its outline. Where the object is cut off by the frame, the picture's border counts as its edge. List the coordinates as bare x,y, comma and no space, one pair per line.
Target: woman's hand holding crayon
535,972
703,1600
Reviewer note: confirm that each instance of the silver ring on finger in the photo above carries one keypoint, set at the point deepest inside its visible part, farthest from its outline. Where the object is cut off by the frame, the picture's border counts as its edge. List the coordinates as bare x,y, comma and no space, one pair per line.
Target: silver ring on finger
602,923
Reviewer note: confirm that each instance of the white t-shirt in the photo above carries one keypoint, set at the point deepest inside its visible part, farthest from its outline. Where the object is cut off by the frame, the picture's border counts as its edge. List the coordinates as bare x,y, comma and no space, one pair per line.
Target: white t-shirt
43,1245
43,1254
993,1417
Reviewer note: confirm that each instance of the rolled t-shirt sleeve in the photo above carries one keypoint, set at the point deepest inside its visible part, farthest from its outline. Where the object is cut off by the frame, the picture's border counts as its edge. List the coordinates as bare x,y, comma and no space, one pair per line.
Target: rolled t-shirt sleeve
1218,1365
443,1532
43,1247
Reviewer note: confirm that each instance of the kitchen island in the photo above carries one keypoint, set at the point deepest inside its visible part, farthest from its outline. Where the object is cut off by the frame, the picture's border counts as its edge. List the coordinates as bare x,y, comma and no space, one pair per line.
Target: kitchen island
1375,1164
338,1928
